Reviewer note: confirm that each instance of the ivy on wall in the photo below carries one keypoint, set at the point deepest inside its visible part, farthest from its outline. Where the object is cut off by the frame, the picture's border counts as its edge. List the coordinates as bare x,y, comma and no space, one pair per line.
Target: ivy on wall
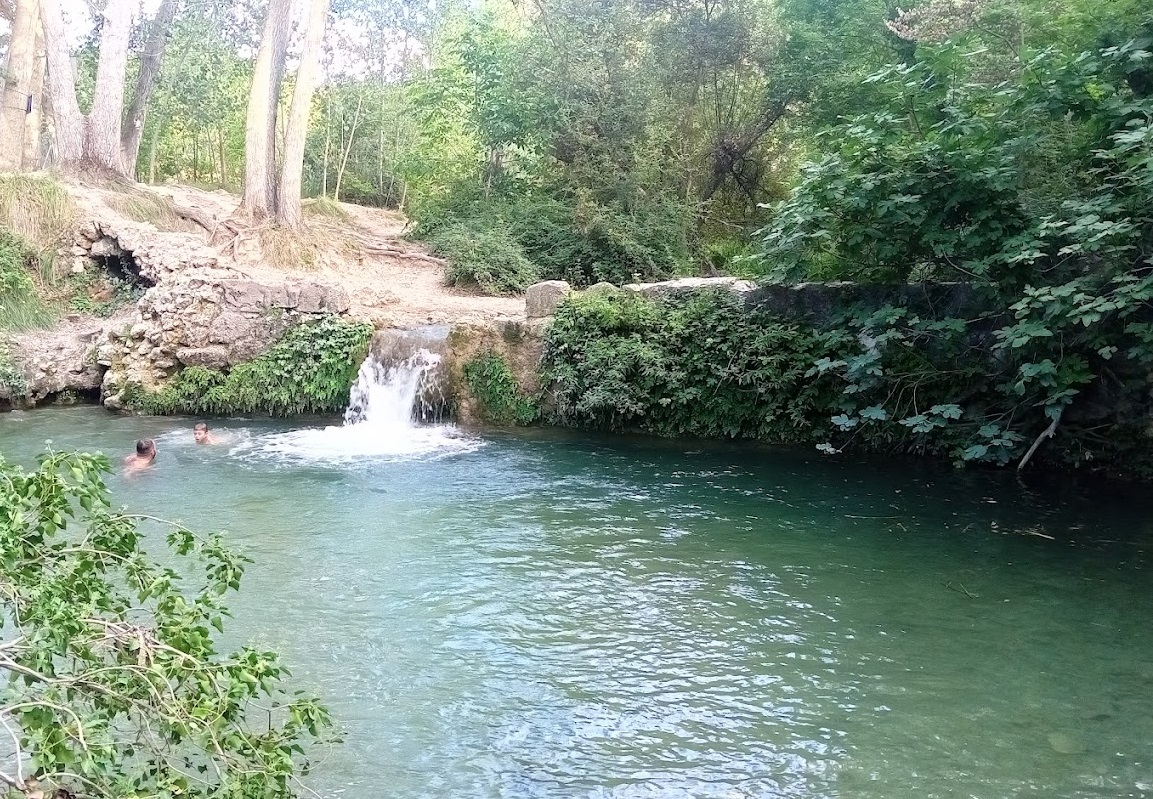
310,370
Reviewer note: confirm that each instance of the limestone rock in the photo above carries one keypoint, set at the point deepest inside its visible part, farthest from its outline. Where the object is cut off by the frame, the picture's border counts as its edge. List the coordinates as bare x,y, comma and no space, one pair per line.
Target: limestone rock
603,287
686,286
215,357
542,299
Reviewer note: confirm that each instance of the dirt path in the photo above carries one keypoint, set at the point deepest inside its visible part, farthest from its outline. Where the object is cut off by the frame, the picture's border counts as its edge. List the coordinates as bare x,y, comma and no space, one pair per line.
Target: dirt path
391,281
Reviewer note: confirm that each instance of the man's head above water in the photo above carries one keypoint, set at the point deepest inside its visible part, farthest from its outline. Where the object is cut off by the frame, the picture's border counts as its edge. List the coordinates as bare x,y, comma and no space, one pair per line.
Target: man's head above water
143,457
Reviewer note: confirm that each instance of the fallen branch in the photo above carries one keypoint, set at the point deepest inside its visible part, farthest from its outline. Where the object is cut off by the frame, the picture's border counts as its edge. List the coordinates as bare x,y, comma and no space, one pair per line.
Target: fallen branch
1048,432
404,254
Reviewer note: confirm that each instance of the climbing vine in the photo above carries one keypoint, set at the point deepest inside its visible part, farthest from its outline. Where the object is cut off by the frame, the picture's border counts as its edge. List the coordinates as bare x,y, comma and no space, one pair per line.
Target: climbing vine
491,381
310,370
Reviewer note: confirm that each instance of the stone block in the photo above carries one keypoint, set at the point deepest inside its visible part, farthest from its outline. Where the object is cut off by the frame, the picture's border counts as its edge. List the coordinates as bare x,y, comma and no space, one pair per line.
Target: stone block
245,295
542,299
211,357
229,328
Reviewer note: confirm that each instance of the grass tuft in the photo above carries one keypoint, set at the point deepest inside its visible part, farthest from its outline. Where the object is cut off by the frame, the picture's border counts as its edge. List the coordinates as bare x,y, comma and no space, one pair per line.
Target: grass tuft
144,206
37,209
322,206
21,306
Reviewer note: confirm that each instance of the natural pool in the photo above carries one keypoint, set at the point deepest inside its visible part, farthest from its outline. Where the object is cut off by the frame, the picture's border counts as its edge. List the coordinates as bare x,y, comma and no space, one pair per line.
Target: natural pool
547,616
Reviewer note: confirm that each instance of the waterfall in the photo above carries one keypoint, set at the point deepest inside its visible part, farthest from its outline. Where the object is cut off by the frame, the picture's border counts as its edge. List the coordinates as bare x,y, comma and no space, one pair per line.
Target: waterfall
397,394
397,409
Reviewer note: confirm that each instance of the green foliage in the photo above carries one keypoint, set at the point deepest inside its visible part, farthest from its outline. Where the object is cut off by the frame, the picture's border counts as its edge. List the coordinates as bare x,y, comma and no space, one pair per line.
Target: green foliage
1039,191
21,307
310,370
579,241
15,277
490,259
620,361
115,684
100,294
12,382
491,381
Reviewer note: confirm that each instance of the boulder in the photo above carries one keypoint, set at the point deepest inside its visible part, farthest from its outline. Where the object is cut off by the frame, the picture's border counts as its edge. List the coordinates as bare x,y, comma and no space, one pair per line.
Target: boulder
542,299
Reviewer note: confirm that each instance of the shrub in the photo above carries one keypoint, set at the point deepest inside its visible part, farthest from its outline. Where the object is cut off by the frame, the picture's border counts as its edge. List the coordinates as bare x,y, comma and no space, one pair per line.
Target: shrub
21,307
15,277
620,361
580,241
310,370
114,680
491,381
490,259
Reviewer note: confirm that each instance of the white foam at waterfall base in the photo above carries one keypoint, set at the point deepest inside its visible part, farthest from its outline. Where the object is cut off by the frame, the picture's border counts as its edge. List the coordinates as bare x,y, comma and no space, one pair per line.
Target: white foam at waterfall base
378,423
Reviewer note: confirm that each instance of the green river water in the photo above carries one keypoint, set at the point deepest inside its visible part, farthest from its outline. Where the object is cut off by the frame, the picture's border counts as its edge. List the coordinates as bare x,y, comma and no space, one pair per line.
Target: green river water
536,615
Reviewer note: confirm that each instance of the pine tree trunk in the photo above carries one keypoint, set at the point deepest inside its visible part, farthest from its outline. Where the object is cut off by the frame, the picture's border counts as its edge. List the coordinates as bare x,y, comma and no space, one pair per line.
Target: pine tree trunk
67,122
288,212
150,61
16,87
260,126
102,152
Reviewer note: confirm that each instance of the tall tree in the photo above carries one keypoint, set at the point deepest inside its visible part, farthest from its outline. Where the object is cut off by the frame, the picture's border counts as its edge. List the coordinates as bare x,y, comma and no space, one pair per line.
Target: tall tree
307,79
89,144
16,88
151,59
260,131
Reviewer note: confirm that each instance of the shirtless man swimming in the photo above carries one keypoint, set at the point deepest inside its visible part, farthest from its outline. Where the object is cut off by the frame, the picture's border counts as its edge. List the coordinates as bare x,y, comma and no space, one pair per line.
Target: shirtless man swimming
145,455
201,435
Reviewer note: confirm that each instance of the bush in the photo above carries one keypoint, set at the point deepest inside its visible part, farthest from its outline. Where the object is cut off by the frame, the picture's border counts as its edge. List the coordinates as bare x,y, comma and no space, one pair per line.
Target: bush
620,361
21,307
488,258
310,370
114,681
491,381
580,241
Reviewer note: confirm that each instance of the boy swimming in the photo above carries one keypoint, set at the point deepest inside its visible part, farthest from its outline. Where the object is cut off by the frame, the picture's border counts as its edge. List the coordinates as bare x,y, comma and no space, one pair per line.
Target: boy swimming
201,435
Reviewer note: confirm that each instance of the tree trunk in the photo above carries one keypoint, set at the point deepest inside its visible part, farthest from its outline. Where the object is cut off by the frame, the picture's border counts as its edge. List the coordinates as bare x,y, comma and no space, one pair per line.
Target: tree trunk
152,153
67,121
324,165
34,121
150,61
16,88
260,125
223,159
348,147
288,211
102,152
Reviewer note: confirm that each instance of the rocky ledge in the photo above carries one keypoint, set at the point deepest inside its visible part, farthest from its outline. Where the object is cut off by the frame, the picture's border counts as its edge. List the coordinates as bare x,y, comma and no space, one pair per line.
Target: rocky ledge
194,312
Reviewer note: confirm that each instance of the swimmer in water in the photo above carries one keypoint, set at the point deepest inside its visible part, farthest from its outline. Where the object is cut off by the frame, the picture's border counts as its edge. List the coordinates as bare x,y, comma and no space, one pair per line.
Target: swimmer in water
145,455
202,436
